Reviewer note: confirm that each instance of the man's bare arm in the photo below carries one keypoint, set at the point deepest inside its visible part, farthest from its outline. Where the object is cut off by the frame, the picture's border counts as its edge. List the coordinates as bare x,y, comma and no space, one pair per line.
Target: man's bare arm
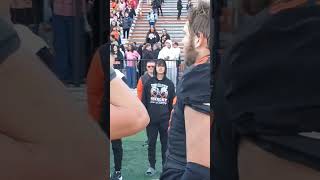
197,137
128,115
43,133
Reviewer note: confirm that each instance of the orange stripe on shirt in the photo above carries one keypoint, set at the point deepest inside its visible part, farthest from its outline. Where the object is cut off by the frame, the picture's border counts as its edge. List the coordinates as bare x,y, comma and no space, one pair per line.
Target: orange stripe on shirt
280,6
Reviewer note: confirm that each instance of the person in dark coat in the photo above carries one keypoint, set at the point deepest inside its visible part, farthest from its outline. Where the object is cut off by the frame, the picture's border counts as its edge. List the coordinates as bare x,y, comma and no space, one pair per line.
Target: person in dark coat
156,50
126,25
147,55
131,12
152,36
179,8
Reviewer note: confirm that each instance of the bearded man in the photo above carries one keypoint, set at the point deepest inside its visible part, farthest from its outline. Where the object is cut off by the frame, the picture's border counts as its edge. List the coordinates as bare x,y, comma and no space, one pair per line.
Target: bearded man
188,154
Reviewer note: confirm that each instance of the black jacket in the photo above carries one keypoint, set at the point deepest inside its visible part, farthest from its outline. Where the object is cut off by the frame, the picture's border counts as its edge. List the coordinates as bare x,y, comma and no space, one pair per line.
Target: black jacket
158,97
179,5
152,38
270,94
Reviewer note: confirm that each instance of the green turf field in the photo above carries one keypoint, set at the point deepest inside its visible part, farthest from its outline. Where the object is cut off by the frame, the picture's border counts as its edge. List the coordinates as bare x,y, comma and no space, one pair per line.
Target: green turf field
135,158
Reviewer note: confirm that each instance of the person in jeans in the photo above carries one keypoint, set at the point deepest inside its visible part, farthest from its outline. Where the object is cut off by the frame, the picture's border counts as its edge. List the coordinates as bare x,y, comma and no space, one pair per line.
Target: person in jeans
132,57
157,96
126,25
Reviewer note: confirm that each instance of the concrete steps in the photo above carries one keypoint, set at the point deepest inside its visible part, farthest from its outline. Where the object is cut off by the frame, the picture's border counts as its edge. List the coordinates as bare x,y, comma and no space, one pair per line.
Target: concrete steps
168,21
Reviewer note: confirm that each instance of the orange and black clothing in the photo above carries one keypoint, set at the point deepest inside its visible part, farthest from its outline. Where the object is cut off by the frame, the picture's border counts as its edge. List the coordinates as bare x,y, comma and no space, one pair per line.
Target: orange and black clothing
193,91
95,87
96,96
142,81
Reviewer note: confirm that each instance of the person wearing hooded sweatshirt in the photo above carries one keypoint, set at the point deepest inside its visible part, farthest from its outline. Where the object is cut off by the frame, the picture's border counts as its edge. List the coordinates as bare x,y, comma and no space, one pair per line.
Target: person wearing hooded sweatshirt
152,36
168,53
157,96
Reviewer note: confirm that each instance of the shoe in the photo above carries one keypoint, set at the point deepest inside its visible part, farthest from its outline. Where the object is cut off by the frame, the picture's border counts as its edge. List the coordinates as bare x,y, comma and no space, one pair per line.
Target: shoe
116,176
151,171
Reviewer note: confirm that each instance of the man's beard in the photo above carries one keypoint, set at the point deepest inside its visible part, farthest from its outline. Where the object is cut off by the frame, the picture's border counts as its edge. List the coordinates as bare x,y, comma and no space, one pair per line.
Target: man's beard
190,54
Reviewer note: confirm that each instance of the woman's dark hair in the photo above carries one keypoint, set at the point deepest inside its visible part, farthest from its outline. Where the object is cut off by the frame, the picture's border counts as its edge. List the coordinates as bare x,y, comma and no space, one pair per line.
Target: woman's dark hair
122,47
112,47
132,47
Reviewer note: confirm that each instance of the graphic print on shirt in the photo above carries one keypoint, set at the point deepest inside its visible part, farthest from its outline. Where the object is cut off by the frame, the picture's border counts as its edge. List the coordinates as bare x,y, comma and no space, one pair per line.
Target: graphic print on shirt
159,94
152,36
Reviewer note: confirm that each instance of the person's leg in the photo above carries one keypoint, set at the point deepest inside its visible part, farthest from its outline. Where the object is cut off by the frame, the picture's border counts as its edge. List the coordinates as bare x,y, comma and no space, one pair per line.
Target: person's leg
163,131
134,79
129,77
117,154
77,64
179,13
124,33
60,47
161,11
128,31
152,141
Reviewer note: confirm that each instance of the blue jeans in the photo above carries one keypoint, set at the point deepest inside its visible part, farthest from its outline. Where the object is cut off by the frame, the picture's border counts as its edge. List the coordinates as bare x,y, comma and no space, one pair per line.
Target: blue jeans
131,77
64,28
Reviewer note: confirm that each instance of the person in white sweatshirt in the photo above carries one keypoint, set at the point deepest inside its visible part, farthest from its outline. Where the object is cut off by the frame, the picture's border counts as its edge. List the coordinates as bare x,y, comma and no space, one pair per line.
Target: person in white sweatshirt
168,54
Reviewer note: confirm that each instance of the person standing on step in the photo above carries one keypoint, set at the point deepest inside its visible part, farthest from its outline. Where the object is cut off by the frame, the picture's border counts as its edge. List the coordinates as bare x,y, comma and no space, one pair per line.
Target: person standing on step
164,37
131,11
158,6
152,18
152,36
126,25
179,8
189,5
157,96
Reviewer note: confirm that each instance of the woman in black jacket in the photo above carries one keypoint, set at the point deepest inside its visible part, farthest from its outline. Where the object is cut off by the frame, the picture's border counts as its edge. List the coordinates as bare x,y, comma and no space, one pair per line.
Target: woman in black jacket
152,36
118,64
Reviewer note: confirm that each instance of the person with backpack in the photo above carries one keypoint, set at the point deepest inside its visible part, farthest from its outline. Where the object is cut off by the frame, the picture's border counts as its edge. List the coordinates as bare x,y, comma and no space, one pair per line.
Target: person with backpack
152,18
179,8
43,130
157,96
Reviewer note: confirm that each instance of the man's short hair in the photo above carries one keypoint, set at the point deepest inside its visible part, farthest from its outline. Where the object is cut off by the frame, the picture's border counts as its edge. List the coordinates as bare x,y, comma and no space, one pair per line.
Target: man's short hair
198,19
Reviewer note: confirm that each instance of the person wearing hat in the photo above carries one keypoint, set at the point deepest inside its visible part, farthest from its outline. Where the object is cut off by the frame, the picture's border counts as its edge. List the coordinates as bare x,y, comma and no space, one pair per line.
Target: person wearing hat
157,96
168,54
